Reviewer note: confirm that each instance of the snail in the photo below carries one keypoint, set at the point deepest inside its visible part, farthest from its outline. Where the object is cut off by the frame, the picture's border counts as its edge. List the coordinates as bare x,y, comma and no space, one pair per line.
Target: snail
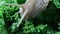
30,9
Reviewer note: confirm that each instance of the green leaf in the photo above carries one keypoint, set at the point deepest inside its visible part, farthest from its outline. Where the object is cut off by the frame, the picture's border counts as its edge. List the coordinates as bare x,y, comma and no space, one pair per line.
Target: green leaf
57,3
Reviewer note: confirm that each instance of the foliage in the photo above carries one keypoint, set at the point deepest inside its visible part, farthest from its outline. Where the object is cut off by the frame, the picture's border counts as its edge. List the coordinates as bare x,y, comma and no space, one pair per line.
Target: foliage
48,22
57,3
21,1
28,27
57,33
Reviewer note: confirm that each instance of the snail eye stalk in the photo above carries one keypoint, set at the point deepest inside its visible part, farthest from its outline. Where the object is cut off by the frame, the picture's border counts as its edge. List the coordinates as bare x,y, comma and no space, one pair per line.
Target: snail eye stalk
23,16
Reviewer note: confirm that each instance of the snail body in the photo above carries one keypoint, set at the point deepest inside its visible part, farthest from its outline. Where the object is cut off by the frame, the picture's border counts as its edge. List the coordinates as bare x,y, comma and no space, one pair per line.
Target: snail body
32,8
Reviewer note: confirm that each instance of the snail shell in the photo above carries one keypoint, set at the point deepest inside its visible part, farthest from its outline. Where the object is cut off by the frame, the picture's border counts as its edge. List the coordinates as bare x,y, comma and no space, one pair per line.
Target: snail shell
39,6
34,7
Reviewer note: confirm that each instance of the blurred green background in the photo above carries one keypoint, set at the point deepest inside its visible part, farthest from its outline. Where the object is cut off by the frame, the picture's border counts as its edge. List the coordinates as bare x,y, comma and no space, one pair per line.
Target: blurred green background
48,22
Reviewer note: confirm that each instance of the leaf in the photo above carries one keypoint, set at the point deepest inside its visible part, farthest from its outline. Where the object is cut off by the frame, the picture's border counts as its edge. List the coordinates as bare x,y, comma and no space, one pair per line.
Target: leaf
57,3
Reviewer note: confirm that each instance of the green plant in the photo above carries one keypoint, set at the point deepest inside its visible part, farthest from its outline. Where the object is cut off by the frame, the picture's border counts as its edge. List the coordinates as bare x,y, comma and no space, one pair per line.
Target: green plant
57,3
45,22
